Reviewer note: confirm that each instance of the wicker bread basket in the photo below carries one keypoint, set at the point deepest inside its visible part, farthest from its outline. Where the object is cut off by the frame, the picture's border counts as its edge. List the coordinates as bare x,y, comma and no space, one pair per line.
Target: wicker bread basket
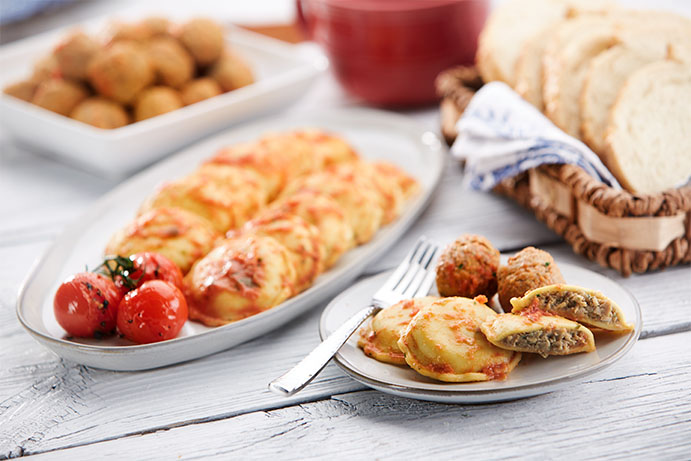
629,233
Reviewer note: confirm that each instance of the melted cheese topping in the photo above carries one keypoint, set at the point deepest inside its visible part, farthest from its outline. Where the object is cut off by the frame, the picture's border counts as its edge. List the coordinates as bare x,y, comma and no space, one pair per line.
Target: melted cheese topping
302,240
444,342
379,339
177,234
242,276
326,215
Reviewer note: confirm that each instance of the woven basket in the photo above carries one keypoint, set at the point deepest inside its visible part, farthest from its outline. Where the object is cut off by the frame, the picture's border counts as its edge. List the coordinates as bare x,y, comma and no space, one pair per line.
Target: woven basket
627,232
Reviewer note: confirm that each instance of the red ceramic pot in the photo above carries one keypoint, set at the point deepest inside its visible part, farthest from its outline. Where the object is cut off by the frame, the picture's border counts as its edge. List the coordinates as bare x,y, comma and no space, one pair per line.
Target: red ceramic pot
389,52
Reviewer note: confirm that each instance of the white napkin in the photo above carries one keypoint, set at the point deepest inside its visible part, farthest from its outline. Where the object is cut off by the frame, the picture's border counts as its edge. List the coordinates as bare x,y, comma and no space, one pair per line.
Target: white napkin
500,135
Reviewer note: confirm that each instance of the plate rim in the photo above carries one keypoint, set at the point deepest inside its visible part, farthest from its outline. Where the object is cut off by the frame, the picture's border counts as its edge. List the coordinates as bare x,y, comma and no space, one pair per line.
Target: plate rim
458,394
423,136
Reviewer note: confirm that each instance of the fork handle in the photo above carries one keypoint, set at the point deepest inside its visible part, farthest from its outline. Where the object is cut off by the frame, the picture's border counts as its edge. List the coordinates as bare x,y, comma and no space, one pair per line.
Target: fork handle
301,374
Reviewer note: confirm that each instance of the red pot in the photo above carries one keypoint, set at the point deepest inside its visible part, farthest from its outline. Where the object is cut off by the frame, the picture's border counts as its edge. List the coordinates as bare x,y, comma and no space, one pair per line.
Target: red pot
389,52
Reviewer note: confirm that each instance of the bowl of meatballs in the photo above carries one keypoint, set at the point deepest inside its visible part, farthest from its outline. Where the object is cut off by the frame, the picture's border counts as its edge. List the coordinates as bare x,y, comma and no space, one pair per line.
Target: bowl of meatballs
118,95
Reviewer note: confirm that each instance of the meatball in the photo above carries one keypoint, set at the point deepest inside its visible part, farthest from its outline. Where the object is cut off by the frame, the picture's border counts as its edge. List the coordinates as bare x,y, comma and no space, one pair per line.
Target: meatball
23,90
172,64
58,95
101,113
46,68
120,71
156,26
74,54
129,32
203,38
468,267
155,101
200,89
231,72
528,269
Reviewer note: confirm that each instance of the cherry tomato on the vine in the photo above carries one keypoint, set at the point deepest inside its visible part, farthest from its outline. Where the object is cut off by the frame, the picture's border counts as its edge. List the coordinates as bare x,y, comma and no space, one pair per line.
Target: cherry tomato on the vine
156,267
155,311
86,305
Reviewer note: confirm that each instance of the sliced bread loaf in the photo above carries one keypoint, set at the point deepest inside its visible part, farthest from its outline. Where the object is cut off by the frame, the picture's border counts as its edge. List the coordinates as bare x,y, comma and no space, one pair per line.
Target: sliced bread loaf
565,64
507,29
649,130
645,37
604,78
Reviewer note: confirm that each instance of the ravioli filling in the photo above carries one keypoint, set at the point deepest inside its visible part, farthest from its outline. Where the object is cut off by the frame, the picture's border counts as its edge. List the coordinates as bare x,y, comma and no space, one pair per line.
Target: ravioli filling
558,341
580,306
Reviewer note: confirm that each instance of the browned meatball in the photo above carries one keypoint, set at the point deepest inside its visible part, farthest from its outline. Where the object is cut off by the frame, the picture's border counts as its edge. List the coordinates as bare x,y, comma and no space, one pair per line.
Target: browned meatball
203,38
140,31
200,89
120,71
171,62
231,72
23,90
155,101
46,68
58,95
156,26
101,113
528,269
74,54
468,267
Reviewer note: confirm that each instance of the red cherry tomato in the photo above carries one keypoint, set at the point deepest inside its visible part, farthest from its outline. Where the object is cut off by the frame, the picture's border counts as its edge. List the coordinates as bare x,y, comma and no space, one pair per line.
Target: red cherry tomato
155,311
86,305
155,267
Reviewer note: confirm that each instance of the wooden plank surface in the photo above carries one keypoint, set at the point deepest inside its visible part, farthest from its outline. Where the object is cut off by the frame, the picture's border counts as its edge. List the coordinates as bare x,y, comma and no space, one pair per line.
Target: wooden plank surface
639,408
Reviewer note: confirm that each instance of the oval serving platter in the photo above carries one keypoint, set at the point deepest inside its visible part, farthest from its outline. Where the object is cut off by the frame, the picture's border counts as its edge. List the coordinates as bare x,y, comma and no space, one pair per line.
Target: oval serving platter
533,375
374,134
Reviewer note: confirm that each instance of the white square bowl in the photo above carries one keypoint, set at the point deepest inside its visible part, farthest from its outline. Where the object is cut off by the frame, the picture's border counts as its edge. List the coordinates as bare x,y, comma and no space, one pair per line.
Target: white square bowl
283,73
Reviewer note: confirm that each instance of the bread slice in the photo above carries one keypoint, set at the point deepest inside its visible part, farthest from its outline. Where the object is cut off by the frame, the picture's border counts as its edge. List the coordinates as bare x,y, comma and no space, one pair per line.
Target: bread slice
646,37
649,130
565,64
529,66
509,26
606,74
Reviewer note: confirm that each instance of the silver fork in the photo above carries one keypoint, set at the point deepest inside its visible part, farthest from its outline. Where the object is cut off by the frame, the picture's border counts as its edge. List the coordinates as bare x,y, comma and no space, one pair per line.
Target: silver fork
412,278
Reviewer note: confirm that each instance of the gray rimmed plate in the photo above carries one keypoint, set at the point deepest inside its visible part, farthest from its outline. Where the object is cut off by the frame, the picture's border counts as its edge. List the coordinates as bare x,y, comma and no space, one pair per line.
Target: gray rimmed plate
533,376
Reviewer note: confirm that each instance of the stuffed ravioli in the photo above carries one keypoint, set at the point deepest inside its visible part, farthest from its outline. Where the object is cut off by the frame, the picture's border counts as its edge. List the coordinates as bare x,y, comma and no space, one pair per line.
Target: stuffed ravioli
585,306
379,339
539,333
444,342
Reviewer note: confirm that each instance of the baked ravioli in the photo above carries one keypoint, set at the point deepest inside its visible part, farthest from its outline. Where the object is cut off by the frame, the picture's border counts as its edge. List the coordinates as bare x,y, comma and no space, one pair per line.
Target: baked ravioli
585,306
330,149
326,215
179,235
299,237
226,197
539,333
242,276
360,201
379,339
444,341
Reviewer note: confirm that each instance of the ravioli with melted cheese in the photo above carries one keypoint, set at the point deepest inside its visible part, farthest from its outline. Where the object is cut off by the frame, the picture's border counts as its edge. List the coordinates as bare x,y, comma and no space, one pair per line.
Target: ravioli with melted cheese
361,203
226,197
326,215
179,235
302,240
379,339
539,333
444,341
581,305
242,276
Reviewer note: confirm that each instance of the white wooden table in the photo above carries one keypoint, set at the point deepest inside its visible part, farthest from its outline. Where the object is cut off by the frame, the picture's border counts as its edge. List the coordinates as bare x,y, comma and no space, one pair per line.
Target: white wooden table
219,406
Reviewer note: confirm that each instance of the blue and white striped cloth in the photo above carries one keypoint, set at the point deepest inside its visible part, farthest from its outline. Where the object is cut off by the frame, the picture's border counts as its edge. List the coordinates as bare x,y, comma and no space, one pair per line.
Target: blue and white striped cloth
500,135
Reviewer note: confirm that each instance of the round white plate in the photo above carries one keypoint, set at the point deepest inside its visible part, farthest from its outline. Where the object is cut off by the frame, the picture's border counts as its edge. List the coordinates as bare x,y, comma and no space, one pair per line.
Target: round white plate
533,375
375,134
